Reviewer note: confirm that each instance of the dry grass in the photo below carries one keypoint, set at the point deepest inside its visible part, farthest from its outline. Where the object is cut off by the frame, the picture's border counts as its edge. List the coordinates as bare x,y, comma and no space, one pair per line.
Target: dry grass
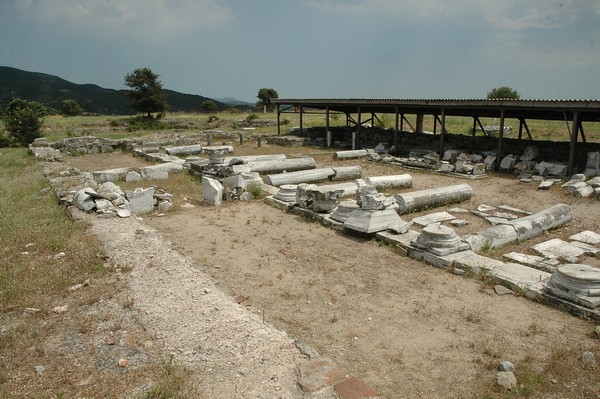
45,354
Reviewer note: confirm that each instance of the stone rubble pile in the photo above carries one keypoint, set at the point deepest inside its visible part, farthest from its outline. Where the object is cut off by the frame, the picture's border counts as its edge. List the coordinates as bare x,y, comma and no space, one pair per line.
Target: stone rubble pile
455,161
107,200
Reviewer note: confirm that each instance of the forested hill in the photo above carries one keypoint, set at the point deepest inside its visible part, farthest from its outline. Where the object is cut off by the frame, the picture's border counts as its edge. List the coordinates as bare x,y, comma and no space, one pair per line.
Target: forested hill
51,91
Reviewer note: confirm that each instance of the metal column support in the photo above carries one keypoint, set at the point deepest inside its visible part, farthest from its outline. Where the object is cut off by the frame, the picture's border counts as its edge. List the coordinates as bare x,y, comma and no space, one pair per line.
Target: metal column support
278,120
396,121
574,134
443,134
358,125
474,126
500,137
301,129
327,132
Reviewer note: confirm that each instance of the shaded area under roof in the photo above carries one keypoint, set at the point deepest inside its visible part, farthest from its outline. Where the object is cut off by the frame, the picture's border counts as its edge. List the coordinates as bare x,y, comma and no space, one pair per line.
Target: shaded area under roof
575,111
588,110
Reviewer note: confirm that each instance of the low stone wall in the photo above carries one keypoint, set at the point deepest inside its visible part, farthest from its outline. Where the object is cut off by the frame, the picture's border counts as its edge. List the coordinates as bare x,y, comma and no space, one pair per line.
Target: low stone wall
370,137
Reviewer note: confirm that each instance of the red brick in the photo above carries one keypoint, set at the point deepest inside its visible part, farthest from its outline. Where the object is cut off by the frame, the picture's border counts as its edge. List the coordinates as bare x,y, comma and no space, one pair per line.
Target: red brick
353,388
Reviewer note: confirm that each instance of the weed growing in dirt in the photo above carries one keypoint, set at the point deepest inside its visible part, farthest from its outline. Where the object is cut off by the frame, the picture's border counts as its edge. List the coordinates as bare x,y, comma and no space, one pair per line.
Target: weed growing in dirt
171,384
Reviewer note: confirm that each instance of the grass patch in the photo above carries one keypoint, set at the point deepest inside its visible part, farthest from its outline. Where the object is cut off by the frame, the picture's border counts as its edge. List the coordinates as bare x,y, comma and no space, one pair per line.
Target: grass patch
35,229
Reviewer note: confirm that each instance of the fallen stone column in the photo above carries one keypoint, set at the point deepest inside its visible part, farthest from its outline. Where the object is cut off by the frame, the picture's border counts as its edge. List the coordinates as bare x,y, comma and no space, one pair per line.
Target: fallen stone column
417,200
347,172
184,150
520,229
492,237
280,165
351,154
302,176
534,225
392,181
255,158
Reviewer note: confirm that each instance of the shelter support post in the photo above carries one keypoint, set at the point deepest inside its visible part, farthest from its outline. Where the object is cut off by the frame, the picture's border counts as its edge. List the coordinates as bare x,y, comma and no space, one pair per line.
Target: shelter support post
327,131
301,112
396,121
443,131
574,133
358,125
278,119
500,139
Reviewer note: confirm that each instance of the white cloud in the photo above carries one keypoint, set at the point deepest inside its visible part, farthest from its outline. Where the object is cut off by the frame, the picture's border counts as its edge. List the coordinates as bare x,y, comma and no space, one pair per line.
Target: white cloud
141,18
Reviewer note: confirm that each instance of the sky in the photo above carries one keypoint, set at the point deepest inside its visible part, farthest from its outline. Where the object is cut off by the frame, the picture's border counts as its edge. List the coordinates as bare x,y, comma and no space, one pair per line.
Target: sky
401,49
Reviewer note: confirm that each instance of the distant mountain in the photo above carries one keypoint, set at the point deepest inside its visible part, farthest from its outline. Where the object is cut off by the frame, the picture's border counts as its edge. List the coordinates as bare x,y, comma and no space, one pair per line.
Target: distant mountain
235,102
51,91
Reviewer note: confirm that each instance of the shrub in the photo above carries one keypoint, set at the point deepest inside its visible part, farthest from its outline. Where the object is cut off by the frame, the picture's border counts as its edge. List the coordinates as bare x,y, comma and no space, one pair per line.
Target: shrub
251,117
23,120
71,108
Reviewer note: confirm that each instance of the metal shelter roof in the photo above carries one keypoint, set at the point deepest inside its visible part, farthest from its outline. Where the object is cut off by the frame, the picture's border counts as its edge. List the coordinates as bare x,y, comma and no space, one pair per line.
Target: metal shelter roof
588,110
576,111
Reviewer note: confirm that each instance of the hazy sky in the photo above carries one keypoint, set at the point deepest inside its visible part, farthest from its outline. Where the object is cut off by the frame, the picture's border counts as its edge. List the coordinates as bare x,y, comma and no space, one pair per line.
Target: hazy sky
544,49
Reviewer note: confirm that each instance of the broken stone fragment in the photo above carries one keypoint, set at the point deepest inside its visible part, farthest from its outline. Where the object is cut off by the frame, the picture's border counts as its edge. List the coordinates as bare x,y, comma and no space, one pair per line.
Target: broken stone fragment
212,191
478,169
508,163
401,227
374,201
365,221
164,206
133,177
303,198
83,200
103,204
343,210
507,380
584,191
141,200
545,185
324,199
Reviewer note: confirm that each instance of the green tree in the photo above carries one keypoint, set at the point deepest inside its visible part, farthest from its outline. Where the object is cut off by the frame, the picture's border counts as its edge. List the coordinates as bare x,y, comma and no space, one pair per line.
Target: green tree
264,98
504,92
23,120
208,106
71,108
146,93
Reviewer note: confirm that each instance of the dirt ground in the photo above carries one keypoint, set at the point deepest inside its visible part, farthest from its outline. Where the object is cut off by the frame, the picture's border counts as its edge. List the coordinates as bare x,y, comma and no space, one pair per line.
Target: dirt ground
405,328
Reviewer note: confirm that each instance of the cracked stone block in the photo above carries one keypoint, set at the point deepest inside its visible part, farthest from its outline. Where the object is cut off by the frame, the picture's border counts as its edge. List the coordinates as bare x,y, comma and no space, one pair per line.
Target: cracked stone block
343,210
212,191
587,236
369,222
560,249
508,163
436,217
141,200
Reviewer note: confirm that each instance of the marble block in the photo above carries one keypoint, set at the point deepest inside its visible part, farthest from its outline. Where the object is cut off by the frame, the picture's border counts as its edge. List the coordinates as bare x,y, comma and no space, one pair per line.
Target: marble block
365,221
